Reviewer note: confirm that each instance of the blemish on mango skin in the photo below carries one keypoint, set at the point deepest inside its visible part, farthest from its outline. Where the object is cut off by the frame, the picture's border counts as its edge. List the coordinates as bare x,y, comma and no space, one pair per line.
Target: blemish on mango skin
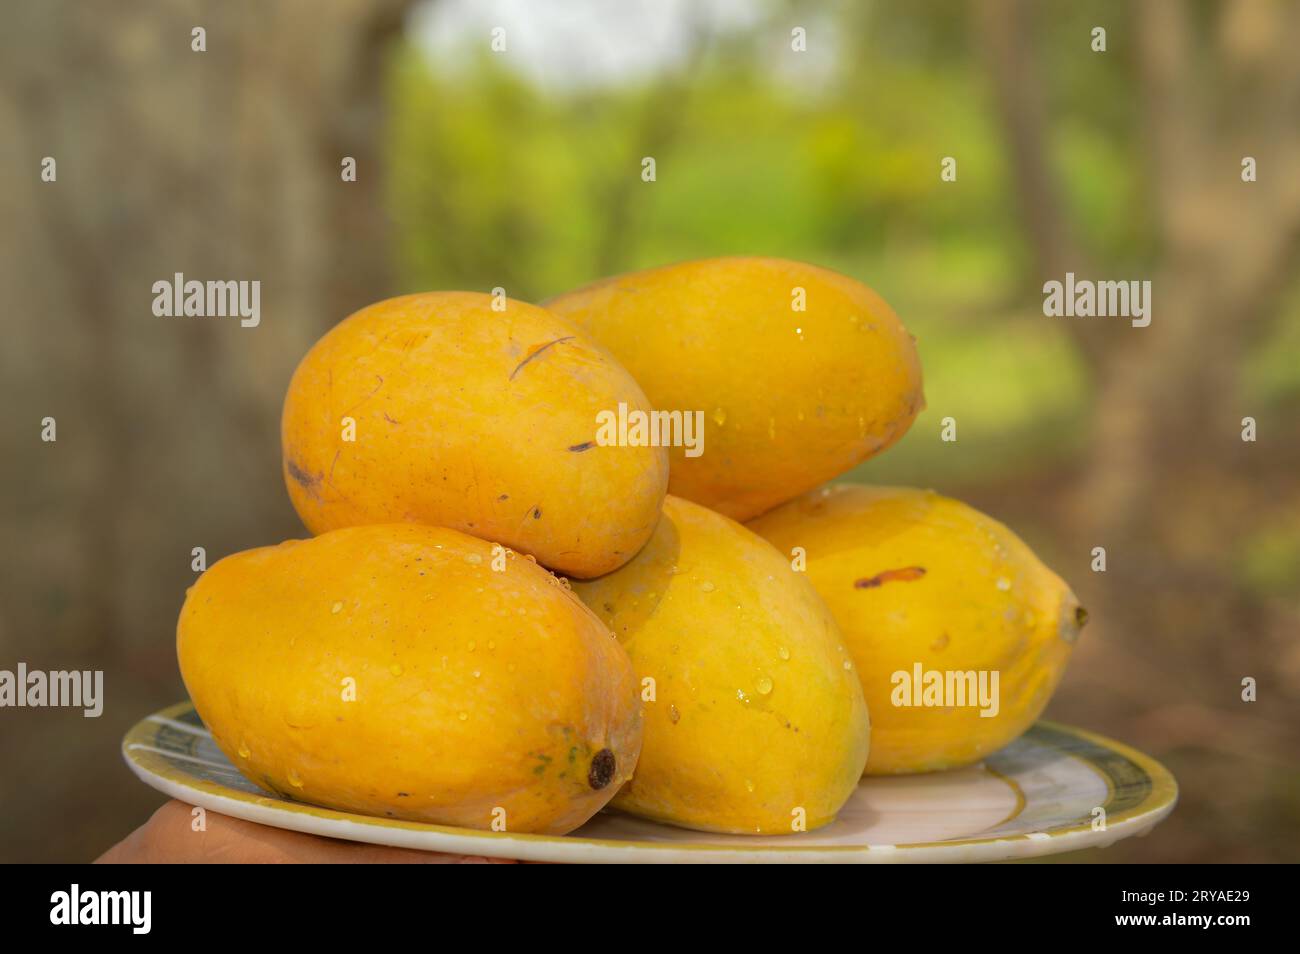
901,575
584,446
537,351
309,482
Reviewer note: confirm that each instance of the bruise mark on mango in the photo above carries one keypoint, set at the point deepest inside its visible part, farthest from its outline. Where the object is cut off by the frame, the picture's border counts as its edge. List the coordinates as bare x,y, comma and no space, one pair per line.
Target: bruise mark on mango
901,575
537,351
308,482
584,446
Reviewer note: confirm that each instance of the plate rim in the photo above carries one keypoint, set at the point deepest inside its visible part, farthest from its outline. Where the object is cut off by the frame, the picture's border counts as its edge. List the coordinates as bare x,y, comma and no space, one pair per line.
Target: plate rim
151,767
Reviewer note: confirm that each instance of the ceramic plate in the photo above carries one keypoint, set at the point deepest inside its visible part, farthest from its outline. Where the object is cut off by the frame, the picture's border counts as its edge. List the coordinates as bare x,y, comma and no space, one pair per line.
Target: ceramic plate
1038,796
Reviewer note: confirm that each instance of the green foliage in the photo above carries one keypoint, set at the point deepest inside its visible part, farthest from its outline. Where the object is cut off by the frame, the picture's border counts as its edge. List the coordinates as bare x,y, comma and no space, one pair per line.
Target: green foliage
498,182
1269,564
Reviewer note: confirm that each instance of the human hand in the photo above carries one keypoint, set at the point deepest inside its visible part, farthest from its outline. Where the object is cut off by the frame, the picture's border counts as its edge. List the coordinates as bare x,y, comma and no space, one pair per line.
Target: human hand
168,837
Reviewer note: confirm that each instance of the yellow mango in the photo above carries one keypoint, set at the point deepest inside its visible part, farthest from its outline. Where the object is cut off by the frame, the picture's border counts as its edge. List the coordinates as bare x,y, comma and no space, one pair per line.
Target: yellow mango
437,409
394,670
921,585
799,373
754,718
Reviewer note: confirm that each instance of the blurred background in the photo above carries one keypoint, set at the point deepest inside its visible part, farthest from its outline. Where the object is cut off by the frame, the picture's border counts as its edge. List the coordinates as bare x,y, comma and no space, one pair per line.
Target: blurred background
522,169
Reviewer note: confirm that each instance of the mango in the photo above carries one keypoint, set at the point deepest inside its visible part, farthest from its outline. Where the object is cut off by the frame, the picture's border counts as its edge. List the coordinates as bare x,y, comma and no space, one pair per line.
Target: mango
754,718
798,373
411,672
960,634
438,409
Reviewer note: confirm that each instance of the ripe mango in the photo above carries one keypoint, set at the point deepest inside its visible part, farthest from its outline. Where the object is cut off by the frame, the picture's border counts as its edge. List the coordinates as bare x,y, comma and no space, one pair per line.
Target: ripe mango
800,373
395,670
437,409
923,584
754,718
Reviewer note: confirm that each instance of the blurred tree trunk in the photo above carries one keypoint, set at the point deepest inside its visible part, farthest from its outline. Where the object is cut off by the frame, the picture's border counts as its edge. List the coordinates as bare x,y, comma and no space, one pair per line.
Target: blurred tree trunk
222,165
